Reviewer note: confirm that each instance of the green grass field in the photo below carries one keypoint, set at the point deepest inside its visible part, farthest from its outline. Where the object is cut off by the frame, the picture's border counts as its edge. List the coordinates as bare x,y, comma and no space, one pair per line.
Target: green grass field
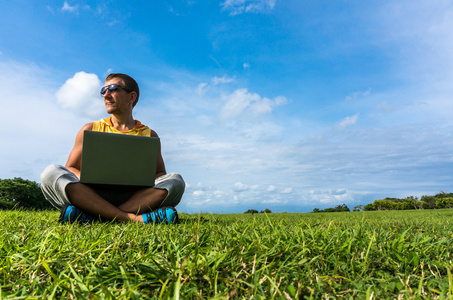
364,255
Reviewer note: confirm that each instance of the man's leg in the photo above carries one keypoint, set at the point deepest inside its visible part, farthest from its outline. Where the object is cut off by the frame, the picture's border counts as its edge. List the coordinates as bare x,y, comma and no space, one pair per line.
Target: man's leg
144,200
86,199
54,180
168,191
61,188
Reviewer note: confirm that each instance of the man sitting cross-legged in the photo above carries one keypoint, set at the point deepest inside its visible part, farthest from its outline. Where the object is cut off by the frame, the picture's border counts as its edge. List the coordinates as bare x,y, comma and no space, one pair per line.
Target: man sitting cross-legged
83,203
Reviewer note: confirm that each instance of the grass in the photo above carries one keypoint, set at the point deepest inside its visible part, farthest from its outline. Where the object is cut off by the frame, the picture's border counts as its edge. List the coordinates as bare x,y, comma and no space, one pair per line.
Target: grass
372,255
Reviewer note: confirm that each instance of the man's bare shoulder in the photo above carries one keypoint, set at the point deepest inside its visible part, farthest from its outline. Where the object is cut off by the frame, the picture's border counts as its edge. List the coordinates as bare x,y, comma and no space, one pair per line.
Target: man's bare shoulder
153,133
88,126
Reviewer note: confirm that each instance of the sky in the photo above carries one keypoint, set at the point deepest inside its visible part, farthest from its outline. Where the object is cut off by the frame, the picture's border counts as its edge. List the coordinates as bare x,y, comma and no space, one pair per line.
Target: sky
286,105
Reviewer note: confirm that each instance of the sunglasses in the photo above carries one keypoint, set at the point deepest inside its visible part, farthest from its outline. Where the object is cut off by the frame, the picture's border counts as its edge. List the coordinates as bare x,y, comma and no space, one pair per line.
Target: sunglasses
112,88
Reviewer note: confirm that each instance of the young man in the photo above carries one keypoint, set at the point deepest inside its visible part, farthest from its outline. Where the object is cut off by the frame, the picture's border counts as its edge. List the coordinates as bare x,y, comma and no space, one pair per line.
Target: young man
82,203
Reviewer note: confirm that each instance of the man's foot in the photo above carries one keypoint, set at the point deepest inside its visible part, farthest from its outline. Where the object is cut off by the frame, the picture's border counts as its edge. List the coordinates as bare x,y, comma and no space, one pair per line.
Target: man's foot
71,214
163,215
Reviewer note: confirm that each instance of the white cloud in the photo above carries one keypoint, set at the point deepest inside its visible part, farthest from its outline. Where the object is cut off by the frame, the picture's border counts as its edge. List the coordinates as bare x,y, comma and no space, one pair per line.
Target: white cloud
80,95
274,201
236,7
204,87
242,101
348,121
219,194
246,66
331,197
271,188
225,79
201,88
237,102
68,8
356,95
239,186
106,73
240,197
287,191
198,193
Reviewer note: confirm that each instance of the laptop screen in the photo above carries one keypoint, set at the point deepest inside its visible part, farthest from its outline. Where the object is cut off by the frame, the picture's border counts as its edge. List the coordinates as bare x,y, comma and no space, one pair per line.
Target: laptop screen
119,159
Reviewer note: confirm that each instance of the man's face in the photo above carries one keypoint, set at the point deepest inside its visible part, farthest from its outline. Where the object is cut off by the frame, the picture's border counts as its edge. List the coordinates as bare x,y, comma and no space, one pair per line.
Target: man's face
118,101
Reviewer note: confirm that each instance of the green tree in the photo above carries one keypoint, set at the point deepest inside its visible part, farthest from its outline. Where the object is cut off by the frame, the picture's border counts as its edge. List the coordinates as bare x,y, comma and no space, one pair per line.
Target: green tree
444,195
444,202
411,202
358,208
338,208
329,209
385,204
267,211
251,211
21,193
342,207
370,207
429,200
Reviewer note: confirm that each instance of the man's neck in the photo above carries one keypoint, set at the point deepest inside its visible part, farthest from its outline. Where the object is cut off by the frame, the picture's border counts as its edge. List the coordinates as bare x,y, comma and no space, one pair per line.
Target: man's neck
122,123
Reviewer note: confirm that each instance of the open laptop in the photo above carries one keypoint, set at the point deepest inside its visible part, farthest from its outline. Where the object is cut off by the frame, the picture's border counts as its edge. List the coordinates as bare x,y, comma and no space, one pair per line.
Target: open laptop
119,159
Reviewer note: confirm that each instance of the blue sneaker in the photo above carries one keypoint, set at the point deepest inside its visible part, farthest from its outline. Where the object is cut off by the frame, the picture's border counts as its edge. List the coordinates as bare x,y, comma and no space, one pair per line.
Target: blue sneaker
162,215
71,214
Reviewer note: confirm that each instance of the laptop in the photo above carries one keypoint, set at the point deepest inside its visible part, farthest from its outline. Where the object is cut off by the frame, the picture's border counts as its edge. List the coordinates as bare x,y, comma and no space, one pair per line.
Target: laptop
119,159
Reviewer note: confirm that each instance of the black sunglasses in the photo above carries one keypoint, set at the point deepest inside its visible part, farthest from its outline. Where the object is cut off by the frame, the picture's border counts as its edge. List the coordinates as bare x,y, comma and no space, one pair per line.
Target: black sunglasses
111,88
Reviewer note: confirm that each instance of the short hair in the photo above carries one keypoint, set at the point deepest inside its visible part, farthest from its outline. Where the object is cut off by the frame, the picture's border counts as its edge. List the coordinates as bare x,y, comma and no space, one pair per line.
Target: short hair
129,83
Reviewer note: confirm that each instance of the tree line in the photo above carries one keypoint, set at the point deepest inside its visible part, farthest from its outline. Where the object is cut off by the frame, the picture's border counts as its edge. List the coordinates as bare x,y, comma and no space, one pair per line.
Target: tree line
438,201
20,193
338,208
254,211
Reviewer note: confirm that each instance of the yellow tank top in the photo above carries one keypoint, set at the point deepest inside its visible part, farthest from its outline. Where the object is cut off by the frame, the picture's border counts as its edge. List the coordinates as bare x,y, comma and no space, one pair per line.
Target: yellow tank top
105,125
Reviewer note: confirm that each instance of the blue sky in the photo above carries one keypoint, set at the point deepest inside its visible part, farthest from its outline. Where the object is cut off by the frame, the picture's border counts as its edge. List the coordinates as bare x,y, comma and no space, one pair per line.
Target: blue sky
286,105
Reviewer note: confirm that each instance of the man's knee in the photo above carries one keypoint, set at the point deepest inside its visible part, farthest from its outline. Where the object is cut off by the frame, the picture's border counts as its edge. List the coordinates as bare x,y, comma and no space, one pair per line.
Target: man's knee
175,185
49,175
178,182
54,180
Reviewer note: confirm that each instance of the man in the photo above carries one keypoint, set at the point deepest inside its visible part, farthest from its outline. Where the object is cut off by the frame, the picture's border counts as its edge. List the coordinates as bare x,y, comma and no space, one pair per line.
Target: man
83,203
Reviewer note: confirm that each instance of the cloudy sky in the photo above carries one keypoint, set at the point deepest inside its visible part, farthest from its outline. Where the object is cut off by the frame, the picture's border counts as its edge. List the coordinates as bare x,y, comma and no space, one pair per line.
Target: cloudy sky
286,105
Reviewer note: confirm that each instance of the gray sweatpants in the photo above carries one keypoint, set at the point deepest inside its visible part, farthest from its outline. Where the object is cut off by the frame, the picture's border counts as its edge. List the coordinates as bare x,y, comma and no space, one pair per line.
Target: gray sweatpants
55,178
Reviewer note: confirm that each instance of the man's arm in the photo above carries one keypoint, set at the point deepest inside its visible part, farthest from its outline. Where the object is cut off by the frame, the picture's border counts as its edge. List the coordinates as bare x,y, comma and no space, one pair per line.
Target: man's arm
75,157
160,169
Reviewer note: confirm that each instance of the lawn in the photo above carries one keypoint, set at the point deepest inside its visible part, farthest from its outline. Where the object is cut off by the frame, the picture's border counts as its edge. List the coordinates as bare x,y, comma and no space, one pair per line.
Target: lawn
377,255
